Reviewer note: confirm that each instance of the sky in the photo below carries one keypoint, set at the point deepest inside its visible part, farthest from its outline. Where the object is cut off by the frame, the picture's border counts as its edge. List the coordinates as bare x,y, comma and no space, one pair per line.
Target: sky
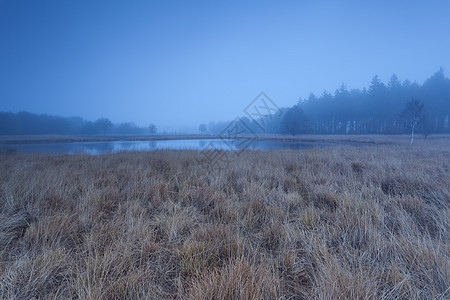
181,63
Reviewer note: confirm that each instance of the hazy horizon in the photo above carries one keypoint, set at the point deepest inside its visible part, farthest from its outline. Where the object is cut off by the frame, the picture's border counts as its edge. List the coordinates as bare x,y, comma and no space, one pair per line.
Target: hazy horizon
180,64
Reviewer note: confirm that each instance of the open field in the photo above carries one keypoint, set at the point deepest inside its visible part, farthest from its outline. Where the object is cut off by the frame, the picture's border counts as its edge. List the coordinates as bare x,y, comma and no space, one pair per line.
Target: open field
368,222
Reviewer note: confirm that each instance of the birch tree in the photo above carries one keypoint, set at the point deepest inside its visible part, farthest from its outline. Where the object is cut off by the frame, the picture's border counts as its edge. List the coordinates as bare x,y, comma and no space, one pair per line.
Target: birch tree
413,115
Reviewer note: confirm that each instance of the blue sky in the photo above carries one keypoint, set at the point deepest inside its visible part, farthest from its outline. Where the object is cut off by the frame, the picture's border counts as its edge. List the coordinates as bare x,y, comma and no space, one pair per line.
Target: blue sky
181,63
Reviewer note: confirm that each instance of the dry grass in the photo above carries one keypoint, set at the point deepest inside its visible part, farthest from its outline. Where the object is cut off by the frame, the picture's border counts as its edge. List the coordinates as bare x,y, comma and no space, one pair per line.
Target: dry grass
334,223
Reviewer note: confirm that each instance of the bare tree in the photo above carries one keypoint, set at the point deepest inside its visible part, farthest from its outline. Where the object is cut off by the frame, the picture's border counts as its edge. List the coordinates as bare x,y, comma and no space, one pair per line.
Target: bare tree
152,128
202,128
413,115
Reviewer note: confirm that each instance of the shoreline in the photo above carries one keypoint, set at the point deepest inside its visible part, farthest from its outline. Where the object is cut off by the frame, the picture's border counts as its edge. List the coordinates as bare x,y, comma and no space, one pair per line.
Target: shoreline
305,138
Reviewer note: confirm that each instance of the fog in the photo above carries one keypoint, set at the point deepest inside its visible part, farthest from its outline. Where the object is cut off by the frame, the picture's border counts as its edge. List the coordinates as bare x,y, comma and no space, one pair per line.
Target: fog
179,64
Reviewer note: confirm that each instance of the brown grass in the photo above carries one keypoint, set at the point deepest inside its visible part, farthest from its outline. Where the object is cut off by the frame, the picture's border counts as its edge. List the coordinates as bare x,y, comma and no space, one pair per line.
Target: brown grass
335,223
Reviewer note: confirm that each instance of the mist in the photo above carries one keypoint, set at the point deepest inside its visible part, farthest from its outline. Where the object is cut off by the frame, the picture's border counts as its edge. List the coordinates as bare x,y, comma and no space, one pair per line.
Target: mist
224,149
178,65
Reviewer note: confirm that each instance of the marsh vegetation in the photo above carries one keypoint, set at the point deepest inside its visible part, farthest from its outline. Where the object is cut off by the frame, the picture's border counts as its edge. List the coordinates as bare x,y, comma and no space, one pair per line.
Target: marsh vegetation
367,222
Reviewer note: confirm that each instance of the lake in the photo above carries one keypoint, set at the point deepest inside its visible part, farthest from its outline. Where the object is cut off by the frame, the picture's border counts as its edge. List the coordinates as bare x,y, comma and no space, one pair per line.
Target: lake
95,148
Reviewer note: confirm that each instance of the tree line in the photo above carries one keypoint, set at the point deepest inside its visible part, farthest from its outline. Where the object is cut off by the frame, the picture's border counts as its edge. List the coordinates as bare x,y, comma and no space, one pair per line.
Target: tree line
25,123
380,109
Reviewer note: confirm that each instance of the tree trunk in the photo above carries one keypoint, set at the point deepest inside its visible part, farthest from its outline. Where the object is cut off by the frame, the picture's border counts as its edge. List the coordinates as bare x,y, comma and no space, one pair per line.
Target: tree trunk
412,133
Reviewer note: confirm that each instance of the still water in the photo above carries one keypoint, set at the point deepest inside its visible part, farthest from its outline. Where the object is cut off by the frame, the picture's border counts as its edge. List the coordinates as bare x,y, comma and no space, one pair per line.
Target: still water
117,146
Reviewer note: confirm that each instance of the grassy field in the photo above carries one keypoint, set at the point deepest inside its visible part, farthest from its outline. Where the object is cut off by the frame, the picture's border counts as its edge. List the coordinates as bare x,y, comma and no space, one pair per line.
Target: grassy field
368,222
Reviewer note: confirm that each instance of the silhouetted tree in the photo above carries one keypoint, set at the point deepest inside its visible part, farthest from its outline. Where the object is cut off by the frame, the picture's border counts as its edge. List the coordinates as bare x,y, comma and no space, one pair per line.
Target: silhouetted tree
376,85
394,82
103,124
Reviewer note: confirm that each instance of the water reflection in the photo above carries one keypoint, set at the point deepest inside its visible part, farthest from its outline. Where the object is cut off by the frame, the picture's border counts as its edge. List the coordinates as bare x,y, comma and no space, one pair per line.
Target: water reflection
94,148
117,146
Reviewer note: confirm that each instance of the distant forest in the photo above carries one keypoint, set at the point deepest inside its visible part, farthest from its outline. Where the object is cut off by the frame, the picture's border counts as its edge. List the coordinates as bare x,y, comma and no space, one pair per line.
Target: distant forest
25,123
380,109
